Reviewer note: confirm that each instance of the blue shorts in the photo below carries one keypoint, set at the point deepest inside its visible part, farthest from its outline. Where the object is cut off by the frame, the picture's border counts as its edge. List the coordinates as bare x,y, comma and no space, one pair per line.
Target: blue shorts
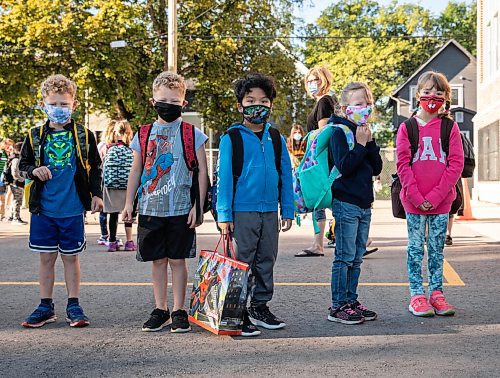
64,235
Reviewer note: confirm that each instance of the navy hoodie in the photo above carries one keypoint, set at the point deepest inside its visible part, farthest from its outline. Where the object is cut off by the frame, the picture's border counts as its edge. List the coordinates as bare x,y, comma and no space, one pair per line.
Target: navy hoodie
357,166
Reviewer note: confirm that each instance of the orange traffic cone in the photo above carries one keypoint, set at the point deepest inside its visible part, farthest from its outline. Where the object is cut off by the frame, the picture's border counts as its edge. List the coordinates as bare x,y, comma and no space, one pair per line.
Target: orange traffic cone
467,207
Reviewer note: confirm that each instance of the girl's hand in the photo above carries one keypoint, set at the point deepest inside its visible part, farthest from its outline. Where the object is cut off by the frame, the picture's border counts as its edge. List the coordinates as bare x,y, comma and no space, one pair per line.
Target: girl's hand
363,135
127,213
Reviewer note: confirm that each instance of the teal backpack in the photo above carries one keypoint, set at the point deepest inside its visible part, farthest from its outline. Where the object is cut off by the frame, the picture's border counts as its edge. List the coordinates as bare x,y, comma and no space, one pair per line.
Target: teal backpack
313,179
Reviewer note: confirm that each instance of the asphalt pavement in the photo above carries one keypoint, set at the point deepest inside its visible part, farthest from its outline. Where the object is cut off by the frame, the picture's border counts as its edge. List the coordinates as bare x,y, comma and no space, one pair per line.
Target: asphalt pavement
117,296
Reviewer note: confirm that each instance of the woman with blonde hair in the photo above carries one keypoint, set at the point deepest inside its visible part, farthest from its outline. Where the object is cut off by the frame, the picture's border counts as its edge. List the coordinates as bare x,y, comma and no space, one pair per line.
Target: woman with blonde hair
318,83
116,168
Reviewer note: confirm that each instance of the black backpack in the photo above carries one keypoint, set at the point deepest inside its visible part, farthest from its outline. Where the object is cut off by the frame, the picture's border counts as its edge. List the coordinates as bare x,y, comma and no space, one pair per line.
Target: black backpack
469,157
411,124
7,177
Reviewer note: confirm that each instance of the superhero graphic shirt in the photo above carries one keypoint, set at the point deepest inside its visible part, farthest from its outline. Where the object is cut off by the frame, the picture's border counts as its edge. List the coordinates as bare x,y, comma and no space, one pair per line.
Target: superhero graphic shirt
165,182
59,198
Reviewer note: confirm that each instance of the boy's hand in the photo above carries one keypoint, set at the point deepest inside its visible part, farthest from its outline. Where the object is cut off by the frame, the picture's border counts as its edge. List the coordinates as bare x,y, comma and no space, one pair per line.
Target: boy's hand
97,205
192,218
42,173
127,216
286,224
363,135
225,227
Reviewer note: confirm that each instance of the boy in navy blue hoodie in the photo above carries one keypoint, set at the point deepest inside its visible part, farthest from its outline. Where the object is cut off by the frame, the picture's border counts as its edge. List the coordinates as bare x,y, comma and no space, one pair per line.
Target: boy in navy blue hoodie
356,156
250,210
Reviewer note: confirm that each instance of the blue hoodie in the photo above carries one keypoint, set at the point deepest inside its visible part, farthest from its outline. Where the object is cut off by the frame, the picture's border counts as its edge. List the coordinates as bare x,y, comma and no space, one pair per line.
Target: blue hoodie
257,187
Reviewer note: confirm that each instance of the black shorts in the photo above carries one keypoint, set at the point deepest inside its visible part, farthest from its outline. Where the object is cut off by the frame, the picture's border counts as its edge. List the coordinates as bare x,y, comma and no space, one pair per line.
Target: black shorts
165,237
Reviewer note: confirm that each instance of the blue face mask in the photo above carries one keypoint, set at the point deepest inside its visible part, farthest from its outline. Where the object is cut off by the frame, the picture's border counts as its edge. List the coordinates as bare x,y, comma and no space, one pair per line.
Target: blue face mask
313,88
58,114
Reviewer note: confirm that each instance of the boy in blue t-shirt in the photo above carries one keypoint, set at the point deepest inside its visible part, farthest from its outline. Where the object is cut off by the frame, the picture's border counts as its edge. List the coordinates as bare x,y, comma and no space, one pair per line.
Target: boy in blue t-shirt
66,178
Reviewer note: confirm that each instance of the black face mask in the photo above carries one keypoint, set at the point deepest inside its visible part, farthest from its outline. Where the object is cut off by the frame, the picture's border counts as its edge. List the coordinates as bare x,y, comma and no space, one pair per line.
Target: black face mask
168,112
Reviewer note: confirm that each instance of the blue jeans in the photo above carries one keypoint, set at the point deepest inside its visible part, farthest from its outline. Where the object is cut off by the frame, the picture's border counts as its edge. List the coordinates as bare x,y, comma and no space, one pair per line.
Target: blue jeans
352,225
437,225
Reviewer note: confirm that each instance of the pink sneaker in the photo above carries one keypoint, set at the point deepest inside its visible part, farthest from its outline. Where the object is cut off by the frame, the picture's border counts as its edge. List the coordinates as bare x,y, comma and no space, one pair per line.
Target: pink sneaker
440,305
130,246
419,306
113,246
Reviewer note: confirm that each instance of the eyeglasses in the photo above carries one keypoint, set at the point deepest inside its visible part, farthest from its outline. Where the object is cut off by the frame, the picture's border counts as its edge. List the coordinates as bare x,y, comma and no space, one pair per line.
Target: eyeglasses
312,81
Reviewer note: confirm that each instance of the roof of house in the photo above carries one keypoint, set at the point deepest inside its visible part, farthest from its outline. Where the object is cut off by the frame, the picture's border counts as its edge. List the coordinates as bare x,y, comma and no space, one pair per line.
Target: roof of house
421,68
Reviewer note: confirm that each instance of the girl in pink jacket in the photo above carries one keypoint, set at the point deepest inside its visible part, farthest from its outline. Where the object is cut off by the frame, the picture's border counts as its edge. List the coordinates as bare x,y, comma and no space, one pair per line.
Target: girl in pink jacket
428,189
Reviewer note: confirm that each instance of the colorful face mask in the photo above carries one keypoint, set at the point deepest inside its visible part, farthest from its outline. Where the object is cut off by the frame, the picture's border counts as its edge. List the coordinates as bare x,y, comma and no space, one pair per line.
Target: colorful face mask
431,104
358,114
313,87
297,136
256,114
168,112
57,114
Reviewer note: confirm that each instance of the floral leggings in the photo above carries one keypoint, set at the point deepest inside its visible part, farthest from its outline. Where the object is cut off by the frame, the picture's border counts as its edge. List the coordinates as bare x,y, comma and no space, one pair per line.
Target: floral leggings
417,224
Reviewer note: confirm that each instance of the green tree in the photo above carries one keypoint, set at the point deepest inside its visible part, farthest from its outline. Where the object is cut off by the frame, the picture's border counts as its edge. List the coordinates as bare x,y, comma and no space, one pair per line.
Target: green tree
42,37
382,45
459,21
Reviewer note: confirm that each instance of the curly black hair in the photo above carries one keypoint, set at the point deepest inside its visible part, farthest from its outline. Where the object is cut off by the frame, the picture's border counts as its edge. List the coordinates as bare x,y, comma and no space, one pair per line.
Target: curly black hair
255,80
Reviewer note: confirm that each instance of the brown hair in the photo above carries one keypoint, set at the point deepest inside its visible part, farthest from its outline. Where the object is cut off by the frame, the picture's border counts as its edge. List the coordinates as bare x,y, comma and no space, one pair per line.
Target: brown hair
170,80
289,141
440,82
325,77
353,87
108,136
58,84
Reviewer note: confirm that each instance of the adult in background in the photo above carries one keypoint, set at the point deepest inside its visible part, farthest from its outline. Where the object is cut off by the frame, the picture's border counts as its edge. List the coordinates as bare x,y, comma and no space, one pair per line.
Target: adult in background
318,83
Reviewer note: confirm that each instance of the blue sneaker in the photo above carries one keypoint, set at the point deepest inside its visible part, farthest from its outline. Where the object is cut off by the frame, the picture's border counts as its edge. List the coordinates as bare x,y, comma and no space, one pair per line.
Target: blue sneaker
76,317
42,315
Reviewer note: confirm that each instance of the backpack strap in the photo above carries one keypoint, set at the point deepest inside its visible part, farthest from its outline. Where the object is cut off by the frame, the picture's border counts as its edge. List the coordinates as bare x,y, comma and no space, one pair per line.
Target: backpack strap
34,135
144,134
446,126
412,129
276,138
188,146
237,156
82,139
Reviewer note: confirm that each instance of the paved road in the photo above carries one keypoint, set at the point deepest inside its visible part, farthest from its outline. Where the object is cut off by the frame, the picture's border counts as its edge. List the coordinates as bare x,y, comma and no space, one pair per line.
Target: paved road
118,299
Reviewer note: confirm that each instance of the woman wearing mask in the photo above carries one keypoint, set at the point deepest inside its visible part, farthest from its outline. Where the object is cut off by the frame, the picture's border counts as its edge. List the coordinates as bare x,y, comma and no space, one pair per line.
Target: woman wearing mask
318,83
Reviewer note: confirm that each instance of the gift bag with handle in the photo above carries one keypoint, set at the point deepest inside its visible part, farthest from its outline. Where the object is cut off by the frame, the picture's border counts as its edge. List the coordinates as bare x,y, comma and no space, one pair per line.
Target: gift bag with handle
219,291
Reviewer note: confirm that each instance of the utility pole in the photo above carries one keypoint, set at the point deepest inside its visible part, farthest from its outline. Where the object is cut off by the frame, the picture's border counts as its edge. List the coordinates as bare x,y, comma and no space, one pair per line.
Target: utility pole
172,35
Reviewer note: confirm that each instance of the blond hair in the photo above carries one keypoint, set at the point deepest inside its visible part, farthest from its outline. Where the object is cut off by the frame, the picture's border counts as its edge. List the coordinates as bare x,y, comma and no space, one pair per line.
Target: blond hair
6,142
58,84
325,77
170,80
108,136
125,130
352,87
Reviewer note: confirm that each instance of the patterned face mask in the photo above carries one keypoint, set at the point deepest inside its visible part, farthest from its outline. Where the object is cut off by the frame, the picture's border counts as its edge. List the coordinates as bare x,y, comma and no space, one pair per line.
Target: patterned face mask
359,114
256,114
58,114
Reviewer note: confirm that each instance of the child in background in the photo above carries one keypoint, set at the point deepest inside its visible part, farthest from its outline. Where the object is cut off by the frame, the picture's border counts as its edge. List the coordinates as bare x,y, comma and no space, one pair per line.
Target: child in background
17,186
296,144
428,189
358,159
116,169
6,147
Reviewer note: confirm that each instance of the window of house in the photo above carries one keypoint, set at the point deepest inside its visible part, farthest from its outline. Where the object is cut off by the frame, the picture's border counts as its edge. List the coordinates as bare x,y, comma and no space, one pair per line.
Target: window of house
459,117
489,152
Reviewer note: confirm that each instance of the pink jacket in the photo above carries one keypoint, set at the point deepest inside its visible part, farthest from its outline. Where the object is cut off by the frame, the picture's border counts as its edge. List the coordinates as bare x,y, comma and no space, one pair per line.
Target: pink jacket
429,177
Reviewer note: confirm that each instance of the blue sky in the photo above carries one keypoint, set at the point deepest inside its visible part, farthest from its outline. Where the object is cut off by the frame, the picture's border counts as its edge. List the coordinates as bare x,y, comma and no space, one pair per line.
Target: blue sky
312,8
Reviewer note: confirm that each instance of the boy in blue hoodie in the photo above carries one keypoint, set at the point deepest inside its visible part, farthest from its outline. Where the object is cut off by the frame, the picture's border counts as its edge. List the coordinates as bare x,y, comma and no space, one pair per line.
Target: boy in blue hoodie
247,205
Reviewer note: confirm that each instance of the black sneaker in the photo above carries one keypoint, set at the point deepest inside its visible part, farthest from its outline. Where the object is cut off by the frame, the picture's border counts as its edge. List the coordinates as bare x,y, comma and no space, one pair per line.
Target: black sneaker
158,319
448,240
248,328
345,315
260,315
363,311
180,323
